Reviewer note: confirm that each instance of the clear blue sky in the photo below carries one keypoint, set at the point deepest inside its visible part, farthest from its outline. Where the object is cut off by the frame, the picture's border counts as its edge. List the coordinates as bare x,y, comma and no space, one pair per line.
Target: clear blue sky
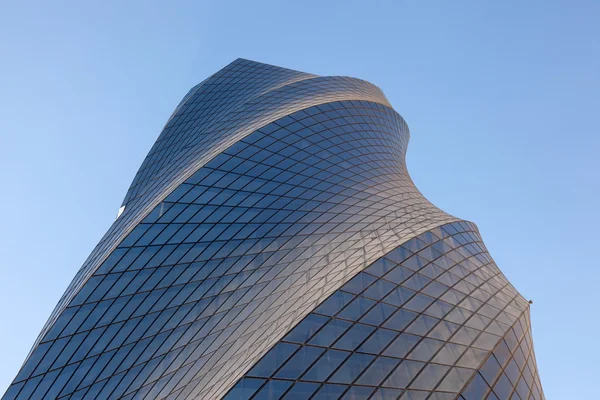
502,100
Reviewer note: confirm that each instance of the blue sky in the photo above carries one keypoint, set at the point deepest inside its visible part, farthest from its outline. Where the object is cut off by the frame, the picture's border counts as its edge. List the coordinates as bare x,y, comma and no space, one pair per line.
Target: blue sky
501,98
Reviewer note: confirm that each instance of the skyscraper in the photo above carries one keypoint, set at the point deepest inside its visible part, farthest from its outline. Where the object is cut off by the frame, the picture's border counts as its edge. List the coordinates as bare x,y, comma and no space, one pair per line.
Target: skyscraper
272,245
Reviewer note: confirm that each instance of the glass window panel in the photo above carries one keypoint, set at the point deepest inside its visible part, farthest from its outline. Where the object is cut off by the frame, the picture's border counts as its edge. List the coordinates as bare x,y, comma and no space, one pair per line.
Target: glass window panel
486,341
519,357
273,359
166,234
435,289
386,394
53,352
301,391
63,320
415,262
131,255
512,371
402,345
425,350
34,359
354,337
330,332
522,388
443,396
429,377
45,384
273,390
503,388
476,390
472,358
358,283
112,260
379,313
414,395
152,257
334,303
305,329
456,379
449,354
380,267
401,253
399,296
14,389
378,341
400,320
358,393
444,330
403,374
478,322
422,325
465,335
350,370
431,271
439,309
378,371
528,375
419,302
398,275
244,389
511,340
330,391
299,362
29,387
490,370
356,309
502,353
416,282
326,365
379,289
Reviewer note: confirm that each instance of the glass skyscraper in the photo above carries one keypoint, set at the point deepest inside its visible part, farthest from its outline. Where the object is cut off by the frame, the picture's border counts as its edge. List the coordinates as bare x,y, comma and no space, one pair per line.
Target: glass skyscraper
273,246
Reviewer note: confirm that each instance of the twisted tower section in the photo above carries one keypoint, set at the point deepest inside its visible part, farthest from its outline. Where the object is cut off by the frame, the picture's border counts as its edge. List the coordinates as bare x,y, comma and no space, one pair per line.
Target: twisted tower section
273,228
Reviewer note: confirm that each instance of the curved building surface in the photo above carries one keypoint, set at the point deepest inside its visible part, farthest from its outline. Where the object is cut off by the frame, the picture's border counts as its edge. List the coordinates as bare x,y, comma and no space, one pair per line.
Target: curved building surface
272,245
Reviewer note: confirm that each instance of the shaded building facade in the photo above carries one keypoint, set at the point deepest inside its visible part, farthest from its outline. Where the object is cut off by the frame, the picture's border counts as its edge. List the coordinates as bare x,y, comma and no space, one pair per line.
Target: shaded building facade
272,245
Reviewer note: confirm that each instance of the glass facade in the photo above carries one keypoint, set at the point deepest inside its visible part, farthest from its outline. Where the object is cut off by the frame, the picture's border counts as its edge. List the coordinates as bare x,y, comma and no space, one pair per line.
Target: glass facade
433,319
273,245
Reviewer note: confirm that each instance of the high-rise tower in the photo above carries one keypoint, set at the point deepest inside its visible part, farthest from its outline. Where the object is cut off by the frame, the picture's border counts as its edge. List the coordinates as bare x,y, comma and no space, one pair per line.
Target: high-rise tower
272,245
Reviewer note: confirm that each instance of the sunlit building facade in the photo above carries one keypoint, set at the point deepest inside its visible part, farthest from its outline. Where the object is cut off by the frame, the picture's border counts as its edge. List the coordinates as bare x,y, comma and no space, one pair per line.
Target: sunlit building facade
273,246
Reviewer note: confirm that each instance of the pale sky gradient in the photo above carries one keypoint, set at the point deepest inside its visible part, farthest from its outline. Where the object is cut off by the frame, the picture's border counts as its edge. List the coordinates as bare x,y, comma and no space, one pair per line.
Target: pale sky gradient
501,98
